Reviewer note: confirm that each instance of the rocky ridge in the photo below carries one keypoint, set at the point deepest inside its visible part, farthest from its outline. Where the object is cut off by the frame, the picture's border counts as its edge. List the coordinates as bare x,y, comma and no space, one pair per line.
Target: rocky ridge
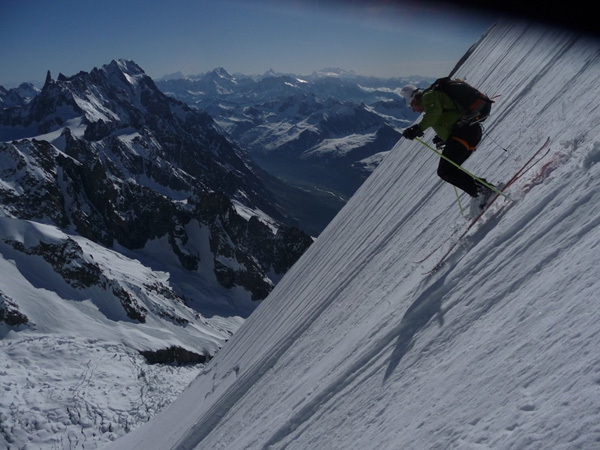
107,157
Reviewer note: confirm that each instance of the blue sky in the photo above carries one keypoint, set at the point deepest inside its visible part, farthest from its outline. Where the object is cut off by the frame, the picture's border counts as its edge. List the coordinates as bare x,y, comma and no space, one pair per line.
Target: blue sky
380,38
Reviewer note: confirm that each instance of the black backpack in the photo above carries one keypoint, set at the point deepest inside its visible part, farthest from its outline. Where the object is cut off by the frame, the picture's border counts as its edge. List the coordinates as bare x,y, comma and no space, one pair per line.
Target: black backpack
477,106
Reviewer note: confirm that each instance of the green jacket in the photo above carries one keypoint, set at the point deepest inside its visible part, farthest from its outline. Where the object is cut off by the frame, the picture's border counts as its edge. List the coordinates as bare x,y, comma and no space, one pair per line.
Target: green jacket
440,113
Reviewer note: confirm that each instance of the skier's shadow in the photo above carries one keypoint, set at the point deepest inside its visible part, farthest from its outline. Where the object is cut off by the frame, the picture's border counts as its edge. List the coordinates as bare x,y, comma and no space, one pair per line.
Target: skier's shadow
418,315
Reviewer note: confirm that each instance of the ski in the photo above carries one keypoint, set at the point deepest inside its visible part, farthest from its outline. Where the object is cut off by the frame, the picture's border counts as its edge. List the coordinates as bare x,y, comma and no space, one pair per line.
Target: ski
528,165
519,173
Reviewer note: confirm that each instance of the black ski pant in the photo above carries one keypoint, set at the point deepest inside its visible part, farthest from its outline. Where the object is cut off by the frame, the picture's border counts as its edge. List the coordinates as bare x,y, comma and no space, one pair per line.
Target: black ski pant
459,146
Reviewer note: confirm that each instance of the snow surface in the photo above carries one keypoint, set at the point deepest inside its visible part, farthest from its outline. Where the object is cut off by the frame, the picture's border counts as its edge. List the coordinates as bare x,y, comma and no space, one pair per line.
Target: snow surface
357,349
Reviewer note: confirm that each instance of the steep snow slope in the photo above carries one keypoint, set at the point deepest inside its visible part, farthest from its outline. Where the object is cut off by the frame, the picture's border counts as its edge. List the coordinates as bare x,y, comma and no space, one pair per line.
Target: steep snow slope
356,348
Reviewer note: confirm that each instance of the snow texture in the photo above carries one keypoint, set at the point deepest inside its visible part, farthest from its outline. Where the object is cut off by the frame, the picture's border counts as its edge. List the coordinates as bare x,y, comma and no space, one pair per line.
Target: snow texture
357,349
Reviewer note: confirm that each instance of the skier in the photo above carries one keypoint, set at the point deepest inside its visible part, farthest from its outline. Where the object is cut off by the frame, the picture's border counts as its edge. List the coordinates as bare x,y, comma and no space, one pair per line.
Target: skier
457,140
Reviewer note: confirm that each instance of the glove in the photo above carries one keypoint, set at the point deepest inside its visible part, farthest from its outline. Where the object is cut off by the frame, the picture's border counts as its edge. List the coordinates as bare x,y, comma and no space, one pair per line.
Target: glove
412,132
439,143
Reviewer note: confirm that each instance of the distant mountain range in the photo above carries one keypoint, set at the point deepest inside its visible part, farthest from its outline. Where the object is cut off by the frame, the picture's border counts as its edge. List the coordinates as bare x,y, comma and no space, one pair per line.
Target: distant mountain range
324,133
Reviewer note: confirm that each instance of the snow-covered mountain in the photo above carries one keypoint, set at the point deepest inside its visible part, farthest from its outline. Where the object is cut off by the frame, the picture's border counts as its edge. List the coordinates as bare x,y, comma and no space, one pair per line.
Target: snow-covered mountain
357,348
117,161
325,132
18,96
133,232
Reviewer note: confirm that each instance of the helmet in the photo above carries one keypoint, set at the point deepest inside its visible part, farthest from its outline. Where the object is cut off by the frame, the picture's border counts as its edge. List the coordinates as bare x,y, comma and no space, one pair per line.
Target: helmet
408,92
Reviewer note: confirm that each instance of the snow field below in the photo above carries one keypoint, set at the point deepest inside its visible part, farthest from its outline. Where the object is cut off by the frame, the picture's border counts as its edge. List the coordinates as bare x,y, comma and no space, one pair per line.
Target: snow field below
75,392
86,384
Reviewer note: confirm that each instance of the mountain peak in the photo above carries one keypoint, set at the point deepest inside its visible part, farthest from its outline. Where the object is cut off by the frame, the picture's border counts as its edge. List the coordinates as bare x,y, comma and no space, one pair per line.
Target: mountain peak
127,67
48,79
221,73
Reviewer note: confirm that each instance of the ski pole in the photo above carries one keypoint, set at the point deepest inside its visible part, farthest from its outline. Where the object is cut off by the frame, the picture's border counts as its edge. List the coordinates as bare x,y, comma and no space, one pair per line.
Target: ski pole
462,212
493,188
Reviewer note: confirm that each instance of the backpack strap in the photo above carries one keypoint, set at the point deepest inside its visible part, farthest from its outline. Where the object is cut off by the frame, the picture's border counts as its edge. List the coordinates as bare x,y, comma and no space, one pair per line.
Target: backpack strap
464,143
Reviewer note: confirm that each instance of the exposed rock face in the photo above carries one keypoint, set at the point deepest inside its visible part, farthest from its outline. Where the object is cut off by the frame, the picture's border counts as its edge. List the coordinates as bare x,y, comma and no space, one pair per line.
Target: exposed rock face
173,355
9,312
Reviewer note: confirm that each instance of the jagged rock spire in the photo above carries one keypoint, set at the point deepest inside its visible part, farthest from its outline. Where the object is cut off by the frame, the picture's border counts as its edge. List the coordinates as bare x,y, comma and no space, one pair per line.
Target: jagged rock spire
48,80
